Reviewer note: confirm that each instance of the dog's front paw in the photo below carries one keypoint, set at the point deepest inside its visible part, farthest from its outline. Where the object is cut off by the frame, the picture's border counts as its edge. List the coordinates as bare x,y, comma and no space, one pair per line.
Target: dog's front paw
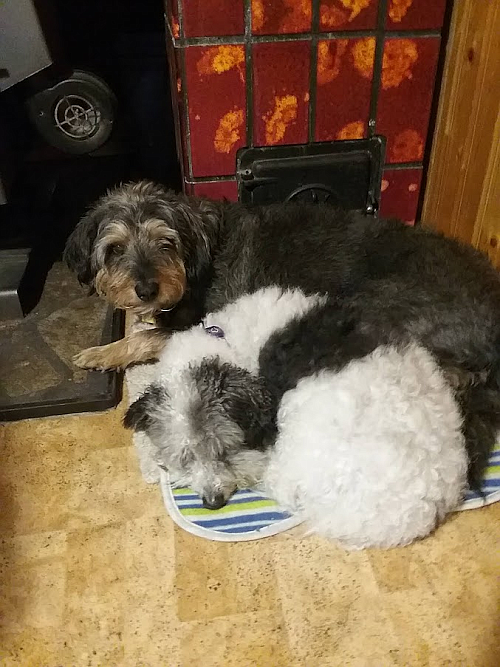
138,347
94,358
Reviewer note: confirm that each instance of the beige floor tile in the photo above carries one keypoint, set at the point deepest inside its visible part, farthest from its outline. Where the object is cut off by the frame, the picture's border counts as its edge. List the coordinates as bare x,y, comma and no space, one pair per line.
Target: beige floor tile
94,573
256,639
32,581
107,487
216,579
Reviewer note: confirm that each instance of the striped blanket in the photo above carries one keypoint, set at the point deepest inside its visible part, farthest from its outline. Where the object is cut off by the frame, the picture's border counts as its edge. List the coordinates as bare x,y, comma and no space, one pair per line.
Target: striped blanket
251,516
247,516
490,487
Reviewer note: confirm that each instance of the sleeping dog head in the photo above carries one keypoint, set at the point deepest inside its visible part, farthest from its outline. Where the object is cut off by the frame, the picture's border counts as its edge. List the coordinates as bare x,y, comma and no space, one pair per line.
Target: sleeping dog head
140,246
211,427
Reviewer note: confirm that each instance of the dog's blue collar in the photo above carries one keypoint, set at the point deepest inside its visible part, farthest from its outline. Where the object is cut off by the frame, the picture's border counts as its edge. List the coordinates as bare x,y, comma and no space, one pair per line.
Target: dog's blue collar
214,331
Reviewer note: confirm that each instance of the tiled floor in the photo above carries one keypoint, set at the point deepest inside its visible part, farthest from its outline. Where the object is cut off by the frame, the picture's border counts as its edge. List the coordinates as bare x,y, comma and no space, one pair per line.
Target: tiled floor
93,572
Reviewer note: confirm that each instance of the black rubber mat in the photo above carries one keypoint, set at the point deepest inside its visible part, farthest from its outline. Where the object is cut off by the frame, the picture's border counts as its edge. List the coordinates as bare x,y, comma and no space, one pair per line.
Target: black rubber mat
37,377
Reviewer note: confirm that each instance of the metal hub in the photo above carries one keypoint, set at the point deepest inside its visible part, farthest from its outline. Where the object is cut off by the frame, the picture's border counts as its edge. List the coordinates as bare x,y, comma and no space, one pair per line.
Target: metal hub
76,117
315,193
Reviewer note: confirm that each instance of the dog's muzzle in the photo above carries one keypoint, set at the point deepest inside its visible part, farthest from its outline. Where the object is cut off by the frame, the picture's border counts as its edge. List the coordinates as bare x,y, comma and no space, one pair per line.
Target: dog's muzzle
214,502
147,291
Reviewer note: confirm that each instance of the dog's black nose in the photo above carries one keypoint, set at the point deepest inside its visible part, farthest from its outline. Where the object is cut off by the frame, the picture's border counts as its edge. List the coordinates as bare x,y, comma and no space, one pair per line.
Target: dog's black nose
147,291
214,502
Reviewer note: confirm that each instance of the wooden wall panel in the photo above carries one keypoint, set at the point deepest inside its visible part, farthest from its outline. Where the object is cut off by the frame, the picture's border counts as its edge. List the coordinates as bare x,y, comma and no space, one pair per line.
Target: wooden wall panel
464,171
487,229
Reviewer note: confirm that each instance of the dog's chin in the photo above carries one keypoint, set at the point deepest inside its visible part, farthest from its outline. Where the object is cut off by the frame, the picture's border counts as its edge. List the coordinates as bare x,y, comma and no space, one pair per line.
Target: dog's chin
142,309
160,306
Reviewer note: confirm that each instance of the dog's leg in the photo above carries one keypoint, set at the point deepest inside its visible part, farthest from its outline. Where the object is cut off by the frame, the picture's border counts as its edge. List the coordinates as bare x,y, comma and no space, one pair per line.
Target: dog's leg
137,347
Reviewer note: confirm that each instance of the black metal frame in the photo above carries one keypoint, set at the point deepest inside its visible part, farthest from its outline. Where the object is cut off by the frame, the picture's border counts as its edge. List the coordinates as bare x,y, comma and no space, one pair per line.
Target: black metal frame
113,383
260,165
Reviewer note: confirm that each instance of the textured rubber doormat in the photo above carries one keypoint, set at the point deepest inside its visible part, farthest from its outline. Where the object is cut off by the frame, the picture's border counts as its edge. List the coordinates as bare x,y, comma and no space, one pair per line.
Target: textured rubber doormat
37,377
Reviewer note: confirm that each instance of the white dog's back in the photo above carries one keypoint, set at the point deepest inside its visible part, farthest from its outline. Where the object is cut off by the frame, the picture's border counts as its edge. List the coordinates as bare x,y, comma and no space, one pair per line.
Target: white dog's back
373,455
246,325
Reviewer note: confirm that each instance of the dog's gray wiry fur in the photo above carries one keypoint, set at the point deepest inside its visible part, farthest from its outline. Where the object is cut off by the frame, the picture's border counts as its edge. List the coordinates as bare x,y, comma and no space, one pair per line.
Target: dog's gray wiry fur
146,249
230,425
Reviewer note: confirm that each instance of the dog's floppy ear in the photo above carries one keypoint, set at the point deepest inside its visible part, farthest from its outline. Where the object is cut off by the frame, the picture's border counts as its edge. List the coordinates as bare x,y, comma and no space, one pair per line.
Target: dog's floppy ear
252,406
242,397
140,415
78,250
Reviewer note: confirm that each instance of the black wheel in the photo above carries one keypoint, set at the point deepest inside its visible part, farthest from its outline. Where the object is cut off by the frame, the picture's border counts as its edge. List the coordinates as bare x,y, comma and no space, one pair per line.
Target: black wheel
314,193
76,115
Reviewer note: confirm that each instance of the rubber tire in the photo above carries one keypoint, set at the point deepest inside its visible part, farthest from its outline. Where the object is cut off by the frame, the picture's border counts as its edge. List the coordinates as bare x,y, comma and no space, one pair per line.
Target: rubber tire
84,84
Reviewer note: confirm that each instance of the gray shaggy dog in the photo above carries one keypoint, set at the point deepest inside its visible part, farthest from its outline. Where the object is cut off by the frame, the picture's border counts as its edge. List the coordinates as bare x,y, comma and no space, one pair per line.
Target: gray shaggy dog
158,253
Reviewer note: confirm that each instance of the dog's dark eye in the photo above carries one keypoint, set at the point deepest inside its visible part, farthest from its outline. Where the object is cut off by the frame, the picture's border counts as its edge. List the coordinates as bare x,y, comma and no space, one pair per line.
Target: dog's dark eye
116,249
185,457
166,245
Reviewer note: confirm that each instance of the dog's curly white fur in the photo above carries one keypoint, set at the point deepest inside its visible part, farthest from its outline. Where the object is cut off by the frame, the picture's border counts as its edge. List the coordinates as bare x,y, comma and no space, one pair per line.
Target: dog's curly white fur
372,455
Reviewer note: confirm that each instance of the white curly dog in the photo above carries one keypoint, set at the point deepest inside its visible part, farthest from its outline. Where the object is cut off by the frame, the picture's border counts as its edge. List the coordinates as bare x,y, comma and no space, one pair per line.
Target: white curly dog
371,456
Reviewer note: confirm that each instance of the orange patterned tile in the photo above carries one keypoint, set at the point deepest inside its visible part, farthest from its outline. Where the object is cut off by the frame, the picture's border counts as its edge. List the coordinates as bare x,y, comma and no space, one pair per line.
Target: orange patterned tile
343,65
408,78
271,17
279,118
229,131
213,18
281,92
347,14
400,194
217,107
415,14
400,55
